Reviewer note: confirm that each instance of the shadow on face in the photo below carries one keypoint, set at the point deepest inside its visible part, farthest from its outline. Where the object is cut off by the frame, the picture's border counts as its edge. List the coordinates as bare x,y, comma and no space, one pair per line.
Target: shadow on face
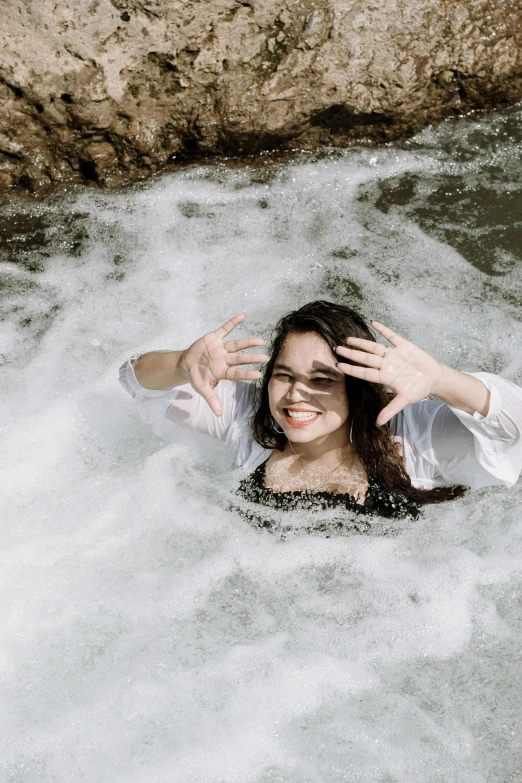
307,394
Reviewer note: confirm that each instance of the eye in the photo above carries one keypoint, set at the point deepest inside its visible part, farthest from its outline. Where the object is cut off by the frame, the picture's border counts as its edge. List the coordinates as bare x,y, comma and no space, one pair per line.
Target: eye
282,376
322,381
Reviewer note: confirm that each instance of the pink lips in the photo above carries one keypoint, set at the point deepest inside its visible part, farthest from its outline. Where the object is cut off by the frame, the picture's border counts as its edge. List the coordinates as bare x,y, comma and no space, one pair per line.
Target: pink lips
303,422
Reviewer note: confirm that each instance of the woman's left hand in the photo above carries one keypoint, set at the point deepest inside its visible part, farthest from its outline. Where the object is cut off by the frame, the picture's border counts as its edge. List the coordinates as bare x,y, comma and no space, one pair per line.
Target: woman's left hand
411,372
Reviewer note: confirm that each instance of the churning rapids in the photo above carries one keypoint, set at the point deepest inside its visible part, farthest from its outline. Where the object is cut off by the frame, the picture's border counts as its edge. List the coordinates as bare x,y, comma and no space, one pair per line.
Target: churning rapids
150,633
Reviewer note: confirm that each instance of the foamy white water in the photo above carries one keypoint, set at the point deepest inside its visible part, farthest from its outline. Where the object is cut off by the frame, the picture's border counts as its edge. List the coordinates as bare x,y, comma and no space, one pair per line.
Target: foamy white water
150,635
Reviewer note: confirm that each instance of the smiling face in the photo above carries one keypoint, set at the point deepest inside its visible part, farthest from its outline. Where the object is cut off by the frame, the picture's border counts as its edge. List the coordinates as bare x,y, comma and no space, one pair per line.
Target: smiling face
307,394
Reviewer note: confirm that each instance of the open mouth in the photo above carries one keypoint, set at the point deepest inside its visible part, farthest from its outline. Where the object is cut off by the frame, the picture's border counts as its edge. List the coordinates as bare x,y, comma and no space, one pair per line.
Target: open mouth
300,418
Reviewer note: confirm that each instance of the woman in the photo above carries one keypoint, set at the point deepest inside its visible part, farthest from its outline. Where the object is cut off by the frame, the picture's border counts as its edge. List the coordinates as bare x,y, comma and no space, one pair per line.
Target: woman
324,432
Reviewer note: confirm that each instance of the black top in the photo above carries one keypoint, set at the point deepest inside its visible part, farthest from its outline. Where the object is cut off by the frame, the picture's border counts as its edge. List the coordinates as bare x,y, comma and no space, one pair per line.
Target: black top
379,500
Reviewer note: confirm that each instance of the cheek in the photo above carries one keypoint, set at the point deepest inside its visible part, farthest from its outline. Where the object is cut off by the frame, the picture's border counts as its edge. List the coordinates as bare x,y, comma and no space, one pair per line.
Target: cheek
273,396
339,404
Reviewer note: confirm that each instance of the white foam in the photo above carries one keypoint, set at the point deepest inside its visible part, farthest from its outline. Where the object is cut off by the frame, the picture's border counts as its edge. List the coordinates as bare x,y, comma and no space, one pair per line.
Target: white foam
151,634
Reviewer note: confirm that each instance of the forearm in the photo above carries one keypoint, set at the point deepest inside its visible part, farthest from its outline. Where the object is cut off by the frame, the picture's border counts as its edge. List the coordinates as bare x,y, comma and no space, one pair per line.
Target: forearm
161,369
462,391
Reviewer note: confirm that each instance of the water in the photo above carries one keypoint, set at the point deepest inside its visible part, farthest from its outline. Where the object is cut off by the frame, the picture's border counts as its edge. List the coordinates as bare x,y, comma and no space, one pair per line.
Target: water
150,634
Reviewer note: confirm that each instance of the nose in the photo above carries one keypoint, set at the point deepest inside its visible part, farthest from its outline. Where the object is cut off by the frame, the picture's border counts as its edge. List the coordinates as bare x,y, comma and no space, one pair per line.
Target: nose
298,392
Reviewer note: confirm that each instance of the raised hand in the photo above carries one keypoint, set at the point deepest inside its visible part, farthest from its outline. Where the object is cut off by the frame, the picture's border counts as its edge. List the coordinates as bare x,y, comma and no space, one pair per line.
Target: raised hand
411,372
210,360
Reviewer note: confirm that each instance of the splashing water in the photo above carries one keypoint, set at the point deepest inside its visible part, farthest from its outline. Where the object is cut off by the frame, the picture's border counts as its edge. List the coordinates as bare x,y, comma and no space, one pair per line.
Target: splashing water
150,633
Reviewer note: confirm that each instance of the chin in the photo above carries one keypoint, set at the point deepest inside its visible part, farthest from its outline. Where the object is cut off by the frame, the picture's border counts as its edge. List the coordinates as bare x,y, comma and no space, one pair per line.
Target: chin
297,435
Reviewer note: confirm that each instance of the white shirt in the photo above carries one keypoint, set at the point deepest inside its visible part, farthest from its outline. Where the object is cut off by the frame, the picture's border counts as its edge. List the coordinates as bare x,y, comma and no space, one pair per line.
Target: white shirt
442,445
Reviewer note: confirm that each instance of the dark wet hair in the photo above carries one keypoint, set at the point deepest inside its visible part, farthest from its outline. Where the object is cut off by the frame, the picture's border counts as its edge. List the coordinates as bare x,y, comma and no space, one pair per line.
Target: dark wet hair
378,451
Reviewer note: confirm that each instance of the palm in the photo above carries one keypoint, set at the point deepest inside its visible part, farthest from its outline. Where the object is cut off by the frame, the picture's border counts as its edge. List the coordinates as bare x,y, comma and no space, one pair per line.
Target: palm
407,369
210,360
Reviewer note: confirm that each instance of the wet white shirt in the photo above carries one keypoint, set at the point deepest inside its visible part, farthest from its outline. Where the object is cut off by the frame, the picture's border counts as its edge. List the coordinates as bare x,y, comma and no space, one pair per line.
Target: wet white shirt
442,445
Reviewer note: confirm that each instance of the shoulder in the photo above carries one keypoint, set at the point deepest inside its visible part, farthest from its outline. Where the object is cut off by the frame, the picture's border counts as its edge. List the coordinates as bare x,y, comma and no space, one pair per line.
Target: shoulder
415,421
241,398
241,395
412,428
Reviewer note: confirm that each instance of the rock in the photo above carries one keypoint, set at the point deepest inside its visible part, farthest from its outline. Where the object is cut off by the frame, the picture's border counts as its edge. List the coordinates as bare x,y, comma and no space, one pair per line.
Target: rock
98,161
110,91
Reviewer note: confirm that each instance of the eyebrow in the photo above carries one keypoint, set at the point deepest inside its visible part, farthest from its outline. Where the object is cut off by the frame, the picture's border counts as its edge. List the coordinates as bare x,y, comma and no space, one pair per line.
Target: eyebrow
327,370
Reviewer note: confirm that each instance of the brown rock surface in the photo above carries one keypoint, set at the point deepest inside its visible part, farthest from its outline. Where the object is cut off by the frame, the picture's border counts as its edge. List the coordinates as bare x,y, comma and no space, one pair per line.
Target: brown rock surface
115,90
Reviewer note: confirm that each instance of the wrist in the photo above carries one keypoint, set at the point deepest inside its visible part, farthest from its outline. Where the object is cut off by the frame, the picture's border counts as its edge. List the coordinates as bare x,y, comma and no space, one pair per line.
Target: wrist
441,386
463,391
182,366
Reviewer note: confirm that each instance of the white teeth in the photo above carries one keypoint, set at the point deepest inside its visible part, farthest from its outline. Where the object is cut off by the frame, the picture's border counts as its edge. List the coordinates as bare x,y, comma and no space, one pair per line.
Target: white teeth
302,415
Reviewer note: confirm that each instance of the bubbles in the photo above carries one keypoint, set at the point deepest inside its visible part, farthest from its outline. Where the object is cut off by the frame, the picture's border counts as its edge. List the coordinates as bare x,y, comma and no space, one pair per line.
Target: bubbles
151,633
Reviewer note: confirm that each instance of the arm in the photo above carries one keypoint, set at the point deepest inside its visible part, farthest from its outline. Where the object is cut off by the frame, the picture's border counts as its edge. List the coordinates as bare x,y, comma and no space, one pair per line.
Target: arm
462,391
448,445
165,410
412,373
160,384
161,370
474,439
207,361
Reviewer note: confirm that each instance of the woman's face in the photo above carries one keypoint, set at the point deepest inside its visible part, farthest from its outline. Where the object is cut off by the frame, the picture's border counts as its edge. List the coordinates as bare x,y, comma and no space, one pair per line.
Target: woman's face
307,394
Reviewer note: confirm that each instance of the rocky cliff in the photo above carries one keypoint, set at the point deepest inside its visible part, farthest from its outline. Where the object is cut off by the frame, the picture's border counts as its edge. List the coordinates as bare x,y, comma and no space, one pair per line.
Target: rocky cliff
114,90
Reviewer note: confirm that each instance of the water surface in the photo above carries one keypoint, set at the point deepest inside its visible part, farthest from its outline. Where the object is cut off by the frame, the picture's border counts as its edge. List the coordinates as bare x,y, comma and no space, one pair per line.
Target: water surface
152,635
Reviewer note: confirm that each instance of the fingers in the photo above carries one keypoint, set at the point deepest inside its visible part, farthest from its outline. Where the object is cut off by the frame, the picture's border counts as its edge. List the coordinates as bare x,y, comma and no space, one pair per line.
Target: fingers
206,389
222,331
246,342
392,409
373,376
210,396
245,358
366,345
393,337
237,374
369,359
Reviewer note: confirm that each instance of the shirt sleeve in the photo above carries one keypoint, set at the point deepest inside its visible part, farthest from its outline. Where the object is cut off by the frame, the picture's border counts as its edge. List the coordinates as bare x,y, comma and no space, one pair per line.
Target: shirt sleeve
445,445
182,406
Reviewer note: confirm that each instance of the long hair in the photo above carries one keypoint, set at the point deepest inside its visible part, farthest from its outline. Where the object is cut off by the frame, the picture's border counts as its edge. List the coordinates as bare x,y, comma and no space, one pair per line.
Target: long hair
376,448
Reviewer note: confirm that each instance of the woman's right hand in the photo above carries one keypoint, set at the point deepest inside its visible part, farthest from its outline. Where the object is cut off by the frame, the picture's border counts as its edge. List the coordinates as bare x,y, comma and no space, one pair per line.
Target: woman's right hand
210,360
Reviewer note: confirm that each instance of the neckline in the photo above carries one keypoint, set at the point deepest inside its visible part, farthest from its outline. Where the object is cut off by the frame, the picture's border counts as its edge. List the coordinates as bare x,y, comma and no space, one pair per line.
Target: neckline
259,475
379,499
